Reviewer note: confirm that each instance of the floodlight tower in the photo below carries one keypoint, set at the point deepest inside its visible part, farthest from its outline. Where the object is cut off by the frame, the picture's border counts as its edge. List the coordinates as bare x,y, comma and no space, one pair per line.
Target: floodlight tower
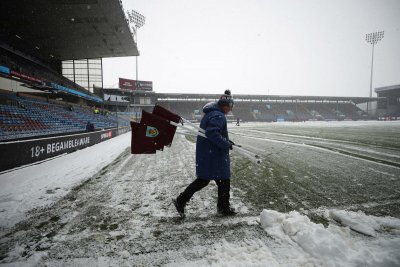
373,39
138,21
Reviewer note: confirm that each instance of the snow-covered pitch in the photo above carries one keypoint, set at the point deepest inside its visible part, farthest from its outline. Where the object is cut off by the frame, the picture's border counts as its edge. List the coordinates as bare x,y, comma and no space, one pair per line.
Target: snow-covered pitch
326,194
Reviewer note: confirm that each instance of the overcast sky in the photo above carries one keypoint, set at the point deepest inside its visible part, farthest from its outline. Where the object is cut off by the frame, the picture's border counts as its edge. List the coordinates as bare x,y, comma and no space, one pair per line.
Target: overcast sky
277,47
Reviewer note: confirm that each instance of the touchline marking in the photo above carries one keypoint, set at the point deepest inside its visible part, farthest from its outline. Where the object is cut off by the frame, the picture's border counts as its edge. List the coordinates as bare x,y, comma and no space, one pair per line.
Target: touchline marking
332,150
319,138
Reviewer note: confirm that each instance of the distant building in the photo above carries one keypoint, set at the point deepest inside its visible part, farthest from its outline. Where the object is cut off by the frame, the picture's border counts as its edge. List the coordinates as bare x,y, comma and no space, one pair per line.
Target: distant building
390,105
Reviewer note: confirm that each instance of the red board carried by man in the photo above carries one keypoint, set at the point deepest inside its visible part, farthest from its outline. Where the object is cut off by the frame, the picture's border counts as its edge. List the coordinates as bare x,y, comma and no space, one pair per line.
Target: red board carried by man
154,131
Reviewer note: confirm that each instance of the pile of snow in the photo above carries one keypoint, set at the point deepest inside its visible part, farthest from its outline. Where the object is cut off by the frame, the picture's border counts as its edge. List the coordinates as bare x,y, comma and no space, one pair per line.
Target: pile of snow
368,225
297,241
335,245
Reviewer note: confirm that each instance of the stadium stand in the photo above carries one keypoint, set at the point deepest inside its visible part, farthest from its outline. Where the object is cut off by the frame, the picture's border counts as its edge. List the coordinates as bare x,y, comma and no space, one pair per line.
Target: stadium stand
186,109
23,117
268,108
271,111
36,100
389,107
33,68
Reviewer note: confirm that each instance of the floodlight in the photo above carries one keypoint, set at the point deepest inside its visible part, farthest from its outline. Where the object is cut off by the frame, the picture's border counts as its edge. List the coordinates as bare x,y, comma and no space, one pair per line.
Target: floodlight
138,20
373,39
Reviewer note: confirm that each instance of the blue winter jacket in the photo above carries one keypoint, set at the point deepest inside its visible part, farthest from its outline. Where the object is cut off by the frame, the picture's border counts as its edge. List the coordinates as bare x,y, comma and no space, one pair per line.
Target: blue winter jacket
212,153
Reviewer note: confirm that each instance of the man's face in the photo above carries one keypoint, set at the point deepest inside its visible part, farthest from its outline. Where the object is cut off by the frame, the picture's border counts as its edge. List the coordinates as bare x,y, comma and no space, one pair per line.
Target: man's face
226,109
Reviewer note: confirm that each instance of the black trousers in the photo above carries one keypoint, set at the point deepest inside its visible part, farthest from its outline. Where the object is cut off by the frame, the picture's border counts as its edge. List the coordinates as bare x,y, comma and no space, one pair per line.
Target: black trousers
224,187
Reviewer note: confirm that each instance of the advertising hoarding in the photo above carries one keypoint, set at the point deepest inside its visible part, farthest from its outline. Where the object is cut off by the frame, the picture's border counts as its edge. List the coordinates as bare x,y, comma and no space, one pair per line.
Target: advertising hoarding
135,84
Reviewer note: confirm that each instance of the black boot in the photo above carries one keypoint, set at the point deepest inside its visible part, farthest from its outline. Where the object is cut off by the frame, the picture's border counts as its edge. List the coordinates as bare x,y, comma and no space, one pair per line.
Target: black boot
223,206
179,205
226,212
185,196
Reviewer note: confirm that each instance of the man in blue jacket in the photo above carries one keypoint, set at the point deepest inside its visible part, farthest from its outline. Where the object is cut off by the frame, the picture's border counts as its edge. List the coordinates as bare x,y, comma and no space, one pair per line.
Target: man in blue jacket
212,156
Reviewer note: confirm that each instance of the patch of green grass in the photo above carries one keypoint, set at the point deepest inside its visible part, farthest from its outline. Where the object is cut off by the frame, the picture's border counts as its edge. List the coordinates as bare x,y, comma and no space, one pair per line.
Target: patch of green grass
378,135
264,185
273,186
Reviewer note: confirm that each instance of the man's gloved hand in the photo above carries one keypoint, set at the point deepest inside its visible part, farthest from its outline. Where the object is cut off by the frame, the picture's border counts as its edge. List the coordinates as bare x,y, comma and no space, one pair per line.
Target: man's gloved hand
231,144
